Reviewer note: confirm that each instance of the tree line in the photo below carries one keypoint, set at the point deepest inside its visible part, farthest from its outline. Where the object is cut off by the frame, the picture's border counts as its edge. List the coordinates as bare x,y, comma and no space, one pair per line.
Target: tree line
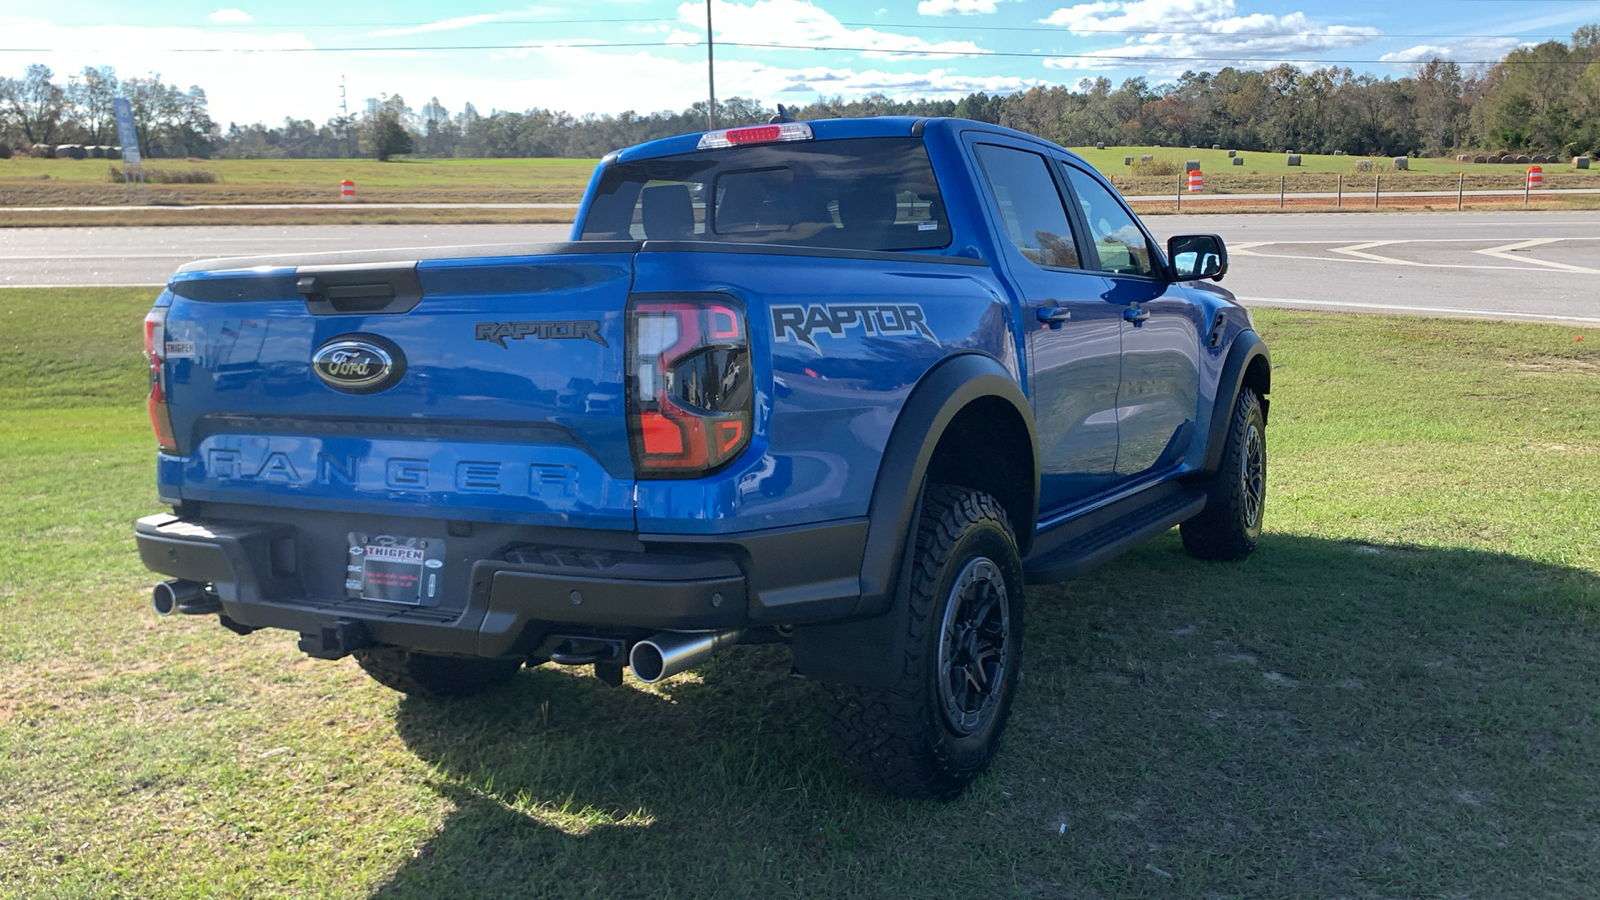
1544,98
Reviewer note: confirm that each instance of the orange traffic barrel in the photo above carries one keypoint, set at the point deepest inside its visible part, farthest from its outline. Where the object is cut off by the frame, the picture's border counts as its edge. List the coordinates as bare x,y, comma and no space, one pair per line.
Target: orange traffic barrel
1197,182
1535,176
347,189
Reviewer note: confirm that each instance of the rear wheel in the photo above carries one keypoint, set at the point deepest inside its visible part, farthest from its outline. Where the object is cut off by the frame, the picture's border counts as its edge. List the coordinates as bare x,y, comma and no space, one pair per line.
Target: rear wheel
938,726
431,676
1230,525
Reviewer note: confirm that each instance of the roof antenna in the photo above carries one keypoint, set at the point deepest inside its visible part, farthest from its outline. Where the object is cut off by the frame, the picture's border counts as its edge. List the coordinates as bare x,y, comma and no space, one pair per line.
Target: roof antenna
782,116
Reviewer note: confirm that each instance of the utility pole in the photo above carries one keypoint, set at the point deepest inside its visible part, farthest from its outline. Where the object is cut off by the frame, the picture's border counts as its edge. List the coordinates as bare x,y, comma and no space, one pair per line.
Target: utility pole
344,117
711,77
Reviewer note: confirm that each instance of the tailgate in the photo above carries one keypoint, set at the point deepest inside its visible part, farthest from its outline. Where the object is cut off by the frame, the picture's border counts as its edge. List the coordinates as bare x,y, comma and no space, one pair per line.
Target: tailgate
464,387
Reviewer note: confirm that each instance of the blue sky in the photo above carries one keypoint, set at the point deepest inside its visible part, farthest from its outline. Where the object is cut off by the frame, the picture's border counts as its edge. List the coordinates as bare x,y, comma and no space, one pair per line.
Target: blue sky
264,61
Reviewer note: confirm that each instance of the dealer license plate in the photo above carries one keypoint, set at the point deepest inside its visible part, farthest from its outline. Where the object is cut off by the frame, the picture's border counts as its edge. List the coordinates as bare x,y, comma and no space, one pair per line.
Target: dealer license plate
394,569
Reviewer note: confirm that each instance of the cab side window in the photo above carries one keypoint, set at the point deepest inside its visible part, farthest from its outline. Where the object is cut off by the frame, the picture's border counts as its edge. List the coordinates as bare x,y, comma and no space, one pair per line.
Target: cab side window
1120,242
1030,206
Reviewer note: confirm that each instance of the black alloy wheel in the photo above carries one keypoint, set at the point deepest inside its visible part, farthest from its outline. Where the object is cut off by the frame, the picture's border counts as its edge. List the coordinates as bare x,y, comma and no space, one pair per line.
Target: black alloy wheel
972,647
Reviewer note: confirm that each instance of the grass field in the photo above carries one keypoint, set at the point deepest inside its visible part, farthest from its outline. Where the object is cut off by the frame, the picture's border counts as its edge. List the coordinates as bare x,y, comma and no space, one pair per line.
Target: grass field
1394,697
68,182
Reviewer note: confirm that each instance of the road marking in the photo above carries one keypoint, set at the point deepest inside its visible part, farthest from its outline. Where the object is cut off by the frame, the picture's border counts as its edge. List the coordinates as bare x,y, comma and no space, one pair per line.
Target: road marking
1369,262
1384,307
1500,253
1356,250
37,286
59,257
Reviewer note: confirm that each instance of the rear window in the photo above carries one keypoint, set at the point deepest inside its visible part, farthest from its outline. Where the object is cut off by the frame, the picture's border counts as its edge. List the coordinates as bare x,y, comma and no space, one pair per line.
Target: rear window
857,194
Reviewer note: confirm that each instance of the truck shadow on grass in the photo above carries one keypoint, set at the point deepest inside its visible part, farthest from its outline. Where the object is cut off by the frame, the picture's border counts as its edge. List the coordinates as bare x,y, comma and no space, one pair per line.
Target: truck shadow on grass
1324,718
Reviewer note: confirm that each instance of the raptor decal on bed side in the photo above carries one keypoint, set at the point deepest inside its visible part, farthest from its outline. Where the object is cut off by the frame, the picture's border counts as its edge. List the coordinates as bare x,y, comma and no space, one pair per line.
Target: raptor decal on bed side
803,323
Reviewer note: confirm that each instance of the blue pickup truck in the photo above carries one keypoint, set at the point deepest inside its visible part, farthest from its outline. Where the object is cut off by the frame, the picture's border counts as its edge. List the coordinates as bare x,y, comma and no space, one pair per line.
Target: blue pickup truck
847,385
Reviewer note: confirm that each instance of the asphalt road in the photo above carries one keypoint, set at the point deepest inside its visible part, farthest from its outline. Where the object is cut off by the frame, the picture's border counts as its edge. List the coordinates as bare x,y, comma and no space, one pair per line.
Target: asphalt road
1537,265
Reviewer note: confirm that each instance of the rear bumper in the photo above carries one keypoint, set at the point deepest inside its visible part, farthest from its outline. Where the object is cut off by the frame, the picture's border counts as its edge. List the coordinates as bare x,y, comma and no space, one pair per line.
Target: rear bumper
516,595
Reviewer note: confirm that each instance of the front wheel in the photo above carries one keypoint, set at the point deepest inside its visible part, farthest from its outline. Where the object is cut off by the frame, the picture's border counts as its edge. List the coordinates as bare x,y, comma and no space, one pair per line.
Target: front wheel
939,725
1230,524
431,676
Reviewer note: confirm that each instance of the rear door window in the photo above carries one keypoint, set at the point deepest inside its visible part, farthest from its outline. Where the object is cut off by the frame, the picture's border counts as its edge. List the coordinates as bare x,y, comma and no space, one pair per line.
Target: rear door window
859,193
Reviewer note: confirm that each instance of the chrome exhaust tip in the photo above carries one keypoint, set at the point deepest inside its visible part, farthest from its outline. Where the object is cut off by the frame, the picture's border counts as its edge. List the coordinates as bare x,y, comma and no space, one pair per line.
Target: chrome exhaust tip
182,596
666,654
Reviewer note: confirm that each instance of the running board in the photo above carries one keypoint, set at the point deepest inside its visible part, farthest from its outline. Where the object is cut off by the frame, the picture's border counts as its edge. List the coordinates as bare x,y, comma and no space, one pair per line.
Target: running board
1064,561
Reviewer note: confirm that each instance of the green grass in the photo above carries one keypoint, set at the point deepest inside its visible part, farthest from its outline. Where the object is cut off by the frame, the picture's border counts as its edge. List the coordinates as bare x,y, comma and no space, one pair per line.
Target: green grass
31,182
396,173
1394,697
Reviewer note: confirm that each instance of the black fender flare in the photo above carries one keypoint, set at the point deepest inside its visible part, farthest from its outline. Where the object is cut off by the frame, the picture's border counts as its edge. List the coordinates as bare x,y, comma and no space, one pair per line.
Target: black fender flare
1247,348
868,649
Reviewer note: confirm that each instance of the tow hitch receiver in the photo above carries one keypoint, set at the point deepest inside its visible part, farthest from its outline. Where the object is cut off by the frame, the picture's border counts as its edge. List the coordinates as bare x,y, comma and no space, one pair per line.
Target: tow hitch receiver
335,640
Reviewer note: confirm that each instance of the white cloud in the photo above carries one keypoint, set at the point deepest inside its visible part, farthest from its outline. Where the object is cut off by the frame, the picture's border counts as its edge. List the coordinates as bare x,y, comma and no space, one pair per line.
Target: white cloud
646,82
452,24
231,16
1479,49
802,23
1174,35
956,7
245,81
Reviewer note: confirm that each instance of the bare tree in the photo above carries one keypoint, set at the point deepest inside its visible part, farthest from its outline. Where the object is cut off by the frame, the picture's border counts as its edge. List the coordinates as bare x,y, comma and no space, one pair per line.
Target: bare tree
89,95
35,104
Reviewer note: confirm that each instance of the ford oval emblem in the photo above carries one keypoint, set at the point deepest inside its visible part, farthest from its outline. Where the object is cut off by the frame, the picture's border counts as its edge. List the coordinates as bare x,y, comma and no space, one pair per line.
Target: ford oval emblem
358,363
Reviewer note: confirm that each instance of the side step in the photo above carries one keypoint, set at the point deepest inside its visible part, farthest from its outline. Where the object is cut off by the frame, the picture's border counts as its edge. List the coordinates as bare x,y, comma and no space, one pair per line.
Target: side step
1064,561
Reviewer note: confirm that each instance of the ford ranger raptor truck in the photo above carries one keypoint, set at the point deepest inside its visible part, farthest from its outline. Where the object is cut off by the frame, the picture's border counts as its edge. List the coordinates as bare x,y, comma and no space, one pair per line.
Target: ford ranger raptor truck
847,385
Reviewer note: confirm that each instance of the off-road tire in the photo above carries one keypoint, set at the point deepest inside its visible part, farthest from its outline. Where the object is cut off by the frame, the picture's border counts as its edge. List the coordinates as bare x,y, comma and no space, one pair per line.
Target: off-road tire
1230,525
434,677
915,738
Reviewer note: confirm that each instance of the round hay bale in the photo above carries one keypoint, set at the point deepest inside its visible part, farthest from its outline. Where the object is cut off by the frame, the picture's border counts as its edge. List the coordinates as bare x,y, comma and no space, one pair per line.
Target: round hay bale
1232,153
1580,162
1523,159
1401,164
1216,146
1127,160
1494,159
1480,159
1191,165
1294,159
1238,160
1338,153
1099,145
1148,156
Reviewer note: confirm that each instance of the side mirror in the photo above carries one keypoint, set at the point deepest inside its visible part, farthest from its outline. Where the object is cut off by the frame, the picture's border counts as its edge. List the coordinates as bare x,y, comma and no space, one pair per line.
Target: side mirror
1192,256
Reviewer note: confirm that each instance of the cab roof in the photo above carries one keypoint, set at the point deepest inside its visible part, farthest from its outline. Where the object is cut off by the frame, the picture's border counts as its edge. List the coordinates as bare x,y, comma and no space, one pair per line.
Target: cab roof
833,129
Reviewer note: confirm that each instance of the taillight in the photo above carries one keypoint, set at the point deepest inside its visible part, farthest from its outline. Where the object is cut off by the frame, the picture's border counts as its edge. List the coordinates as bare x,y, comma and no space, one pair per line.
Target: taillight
690,397
155,348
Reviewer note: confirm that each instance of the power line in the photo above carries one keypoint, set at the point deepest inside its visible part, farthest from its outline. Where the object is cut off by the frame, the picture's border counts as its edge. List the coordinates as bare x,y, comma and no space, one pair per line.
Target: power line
1047,28
920,52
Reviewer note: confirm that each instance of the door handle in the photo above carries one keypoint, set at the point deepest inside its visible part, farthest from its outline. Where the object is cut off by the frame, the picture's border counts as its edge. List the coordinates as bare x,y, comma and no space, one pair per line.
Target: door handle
1053,315
1136,315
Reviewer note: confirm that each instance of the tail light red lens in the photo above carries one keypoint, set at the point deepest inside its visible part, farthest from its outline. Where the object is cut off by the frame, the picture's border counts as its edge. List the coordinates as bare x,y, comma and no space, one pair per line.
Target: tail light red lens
690,397
155,348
